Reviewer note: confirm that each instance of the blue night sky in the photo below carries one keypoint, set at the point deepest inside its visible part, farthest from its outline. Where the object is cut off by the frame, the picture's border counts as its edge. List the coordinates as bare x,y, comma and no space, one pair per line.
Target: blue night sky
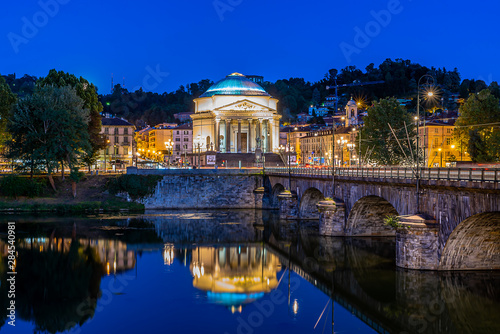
198,39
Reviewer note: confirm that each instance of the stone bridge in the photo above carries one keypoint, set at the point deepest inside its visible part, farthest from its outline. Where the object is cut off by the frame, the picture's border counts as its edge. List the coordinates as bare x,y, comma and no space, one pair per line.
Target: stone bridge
456,227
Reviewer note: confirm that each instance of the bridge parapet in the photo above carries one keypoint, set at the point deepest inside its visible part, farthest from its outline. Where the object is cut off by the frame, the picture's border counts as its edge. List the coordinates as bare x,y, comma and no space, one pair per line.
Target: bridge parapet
478,178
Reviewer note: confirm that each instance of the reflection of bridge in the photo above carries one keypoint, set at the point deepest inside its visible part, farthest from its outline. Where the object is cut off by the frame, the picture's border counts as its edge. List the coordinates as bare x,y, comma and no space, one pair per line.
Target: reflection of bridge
459,213
358,273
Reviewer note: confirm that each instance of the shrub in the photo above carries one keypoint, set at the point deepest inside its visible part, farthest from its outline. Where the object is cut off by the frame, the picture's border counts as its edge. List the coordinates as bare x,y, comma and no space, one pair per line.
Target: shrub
137,186
393,221
15,186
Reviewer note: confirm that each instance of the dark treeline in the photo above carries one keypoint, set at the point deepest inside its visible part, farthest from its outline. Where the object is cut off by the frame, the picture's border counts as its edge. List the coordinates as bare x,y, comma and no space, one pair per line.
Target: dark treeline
295,94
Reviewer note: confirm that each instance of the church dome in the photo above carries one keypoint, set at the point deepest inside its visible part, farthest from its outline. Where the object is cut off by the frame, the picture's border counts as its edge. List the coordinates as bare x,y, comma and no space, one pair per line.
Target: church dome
235,84
351,103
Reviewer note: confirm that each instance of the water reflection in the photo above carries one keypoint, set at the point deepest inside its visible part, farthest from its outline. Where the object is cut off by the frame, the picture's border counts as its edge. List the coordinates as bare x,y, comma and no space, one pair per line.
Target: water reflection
54,283
237,263
235,275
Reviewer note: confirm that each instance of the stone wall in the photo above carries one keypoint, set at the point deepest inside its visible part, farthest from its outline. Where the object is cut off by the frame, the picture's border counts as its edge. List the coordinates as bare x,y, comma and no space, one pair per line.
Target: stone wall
204,189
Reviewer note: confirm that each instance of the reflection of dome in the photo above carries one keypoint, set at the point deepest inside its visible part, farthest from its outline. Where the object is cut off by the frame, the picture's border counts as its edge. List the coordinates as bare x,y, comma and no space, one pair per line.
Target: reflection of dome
235,84
234,276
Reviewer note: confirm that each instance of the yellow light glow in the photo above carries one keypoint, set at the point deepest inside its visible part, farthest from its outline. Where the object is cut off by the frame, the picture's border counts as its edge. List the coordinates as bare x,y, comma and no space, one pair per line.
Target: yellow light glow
430,94
295,306
452,146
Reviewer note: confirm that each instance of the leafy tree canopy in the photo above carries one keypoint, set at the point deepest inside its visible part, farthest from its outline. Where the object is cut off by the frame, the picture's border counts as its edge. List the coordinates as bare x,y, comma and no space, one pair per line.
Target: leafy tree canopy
477,127
378,138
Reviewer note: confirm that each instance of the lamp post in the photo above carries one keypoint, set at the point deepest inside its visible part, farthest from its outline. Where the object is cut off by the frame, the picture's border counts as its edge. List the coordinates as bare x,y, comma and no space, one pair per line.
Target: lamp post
350,147
105,153
417,155
341,143
440,157
169,145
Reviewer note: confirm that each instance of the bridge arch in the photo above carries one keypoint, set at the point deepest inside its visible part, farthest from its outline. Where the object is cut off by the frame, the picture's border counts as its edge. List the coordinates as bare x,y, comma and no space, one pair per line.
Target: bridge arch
474,244
277,189
310,198
366,217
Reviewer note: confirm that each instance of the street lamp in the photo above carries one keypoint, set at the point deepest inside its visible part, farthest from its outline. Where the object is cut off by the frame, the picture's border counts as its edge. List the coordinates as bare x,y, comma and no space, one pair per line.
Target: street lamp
441,157
418,137
169,146
198,144
341,143
350,147
105,152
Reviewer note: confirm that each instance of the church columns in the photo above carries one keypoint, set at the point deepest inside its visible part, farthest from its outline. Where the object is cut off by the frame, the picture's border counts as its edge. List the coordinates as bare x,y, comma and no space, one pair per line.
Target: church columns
271,133
276,133
265,126
217,134
228,135
222,130
239,136
249,136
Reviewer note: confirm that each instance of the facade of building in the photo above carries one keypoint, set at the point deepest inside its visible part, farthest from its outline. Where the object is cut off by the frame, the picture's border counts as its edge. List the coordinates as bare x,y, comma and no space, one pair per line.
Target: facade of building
439,146
316,147
159,139
119,135
236,115
182,142
293,137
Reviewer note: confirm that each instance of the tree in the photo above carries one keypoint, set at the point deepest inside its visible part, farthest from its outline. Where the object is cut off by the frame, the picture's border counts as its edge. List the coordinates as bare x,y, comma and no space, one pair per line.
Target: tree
478,126
48,127
494,89
7,100
88,93
316,97
377,136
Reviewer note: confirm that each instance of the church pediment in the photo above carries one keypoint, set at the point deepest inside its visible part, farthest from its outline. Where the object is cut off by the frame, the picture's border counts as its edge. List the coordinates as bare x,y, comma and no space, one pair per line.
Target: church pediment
244,105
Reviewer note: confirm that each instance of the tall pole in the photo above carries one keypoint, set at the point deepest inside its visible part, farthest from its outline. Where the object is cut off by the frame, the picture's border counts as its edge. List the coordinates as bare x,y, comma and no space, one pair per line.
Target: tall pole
417,176
333,139
289,167
417,154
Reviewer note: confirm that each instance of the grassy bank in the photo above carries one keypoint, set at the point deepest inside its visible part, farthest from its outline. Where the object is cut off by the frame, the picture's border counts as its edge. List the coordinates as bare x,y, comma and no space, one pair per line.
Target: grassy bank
93,196
80,207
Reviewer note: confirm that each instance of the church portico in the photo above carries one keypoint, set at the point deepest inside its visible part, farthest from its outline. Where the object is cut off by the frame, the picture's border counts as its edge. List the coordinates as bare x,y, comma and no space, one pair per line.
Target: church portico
236,115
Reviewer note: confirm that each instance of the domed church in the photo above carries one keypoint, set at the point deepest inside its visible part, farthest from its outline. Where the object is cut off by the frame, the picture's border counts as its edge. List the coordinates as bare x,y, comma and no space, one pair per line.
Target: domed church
236,115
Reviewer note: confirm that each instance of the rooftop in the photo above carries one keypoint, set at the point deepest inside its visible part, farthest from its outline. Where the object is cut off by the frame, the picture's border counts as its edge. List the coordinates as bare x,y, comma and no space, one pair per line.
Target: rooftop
235,84
115,121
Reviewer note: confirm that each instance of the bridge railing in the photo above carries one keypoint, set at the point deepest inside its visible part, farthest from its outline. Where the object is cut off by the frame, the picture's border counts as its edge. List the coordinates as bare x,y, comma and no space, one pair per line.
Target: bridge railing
452,174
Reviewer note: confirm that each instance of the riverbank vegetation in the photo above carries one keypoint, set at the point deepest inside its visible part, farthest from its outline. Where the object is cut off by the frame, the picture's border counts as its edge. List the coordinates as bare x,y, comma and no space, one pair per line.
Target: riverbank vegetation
24,194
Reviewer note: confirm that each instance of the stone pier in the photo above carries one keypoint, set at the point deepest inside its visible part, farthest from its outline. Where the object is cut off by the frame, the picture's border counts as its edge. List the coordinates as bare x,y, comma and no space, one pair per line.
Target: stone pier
417,243
331,217
288,205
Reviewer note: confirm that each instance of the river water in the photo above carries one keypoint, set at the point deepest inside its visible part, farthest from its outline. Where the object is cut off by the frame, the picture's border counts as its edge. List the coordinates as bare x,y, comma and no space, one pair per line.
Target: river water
240,271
